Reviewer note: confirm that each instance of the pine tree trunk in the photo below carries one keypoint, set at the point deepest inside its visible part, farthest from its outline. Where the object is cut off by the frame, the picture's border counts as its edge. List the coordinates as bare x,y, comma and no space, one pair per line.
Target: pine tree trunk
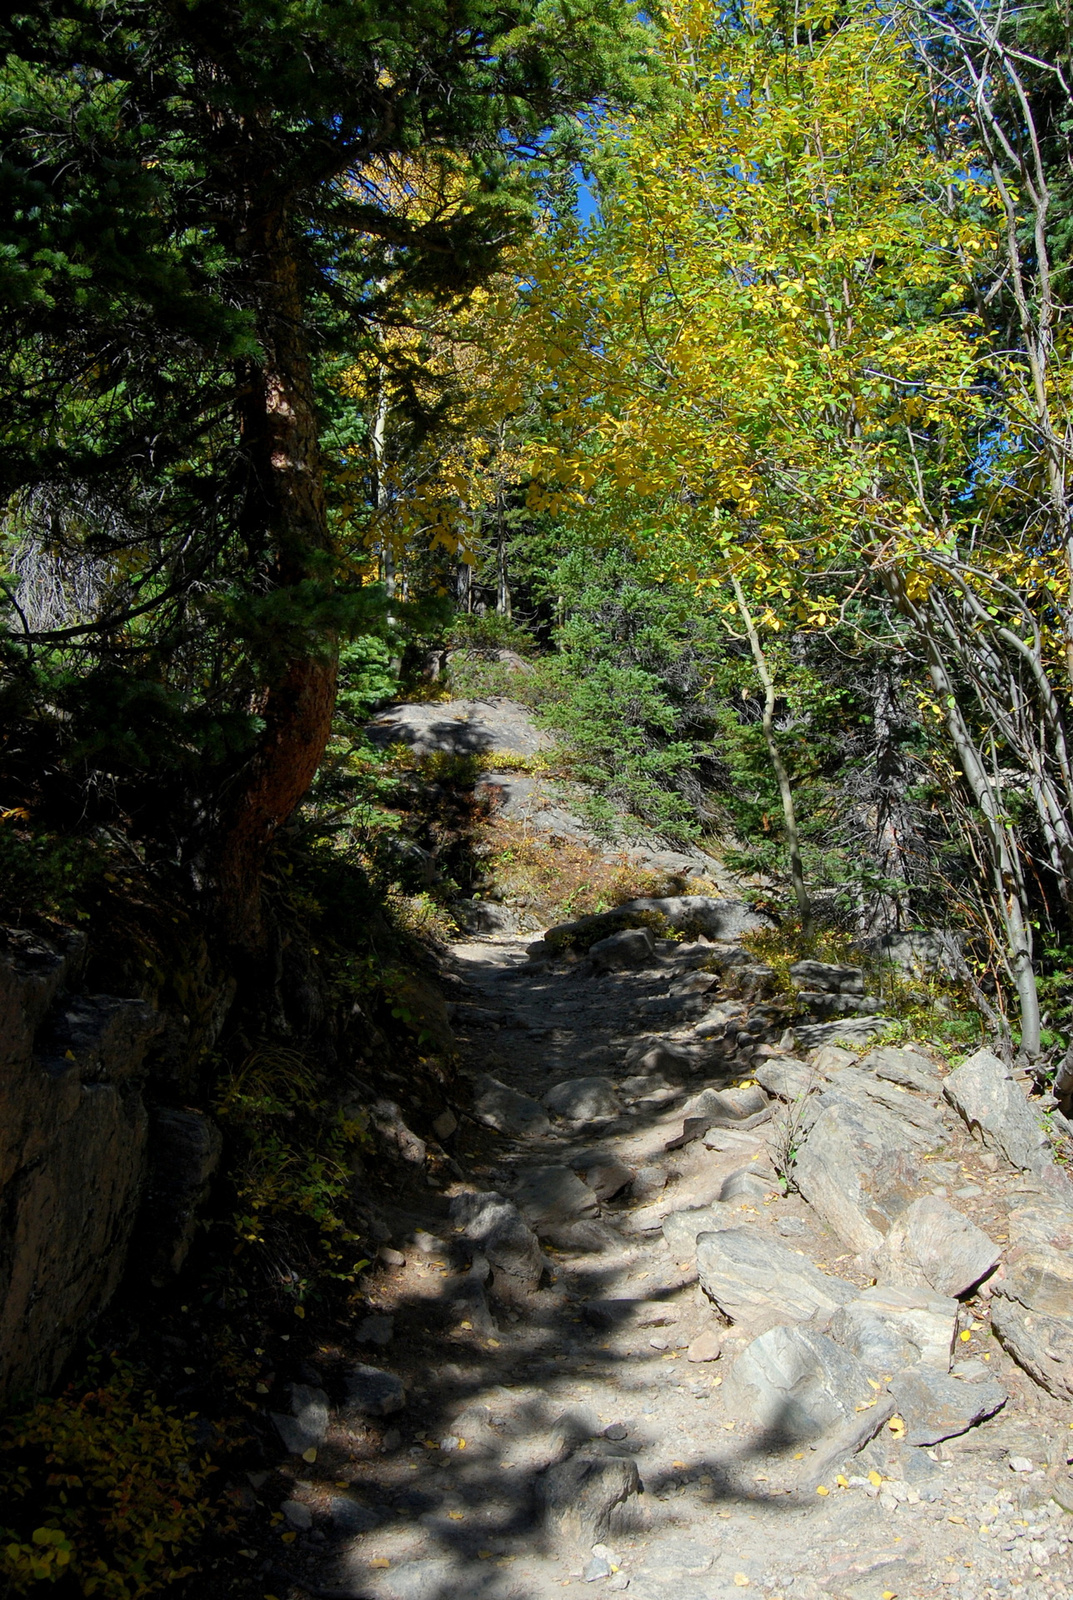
285,510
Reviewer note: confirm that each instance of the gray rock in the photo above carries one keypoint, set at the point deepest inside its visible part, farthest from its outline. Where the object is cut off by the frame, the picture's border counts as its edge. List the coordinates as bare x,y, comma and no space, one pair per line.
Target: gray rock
936,1406
583,1100
907,1067
792,1227
1042,1345
460,727
931,1243
857,1168
827,977
348,1518
787,1079
726,1107
715,918
499,1231
604,1173
507,1111
749,1184
667,1062
471,1304
631,947
682,1229
891,1328
297,1515
858,1030
757,1282
797,1384
445,1124
585,1499
375,1330
675,1557
629,1312
307,1424
548,1196
597,1567
371,1392
1032,1304
995,1110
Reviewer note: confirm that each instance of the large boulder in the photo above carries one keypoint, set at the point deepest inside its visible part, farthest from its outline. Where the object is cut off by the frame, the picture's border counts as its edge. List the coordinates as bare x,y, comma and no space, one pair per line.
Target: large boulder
797,1384
761,1284
996,1112
858,1166
1032,1304
585,1499
827,978
931,1243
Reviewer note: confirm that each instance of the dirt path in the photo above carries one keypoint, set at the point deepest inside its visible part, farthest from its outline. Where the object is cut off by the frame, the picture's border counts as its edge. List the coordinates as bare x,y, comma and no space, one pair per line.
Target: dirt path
561,1432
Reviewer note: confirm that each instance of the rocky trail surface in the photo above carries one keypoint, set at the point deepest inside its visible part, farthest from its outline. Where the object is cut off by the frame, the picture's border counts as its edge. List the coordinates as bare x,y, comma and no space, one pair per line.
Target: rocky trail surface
610,1348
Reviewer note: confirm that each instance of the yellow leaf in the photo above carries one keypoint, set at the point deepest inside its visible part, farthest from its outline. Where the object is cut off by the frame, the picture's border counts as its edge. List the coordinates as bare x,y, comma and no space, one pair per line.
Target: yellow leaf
741,1580
310,1454
380,1561
874,1479
897,1427
299,1311
822,1489
456,1516
843,1483
288,1538
965,1335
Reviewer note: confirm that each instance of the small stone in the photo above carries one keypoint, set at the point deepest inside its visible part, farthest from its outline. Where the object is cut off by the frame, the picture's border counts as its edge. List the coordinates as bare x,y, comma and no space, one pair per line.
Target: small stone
307,1425
618,1580
659,1344
603,1172
350,1519
373,1393
598,1567
391,1257
297,1515
791,1227
616,1430
1020,1464
582,1496
445,1124
428,1243
375,1330
707,1346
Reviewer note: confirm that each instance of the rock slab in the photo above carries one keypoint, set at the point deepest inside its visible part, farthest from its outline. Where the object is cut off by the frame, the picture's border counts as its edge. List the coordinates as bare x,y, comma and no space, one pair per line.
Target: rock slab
507,1111
936,1406
994,1109
798,1384
762,1284
932,1244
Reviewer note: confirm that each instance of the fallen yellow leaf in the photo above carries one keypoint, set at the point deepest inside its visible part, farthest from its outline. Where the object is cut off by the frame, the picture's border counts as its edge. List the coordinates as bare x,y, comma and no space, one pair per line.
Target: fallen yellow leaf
288,1538
874,1479
965,1335
465,1324
822,1489
380,1561
678,1464
741,1580
461,1444
897,1427
484,1555
310,1454
843,1483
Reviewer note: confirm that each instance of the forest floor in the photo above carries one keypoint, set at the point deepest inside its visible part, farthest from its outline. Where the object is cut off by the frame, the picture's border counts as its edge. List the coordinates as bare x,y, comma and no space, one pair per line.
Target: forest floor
568,1419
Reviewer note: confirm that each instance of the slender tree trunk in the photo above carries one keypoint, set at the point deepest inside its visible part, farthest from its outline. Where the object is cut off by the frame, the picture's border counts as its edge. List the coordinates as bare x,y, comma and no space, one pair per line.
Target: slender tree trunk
280,440
502,570
1008,886
782,777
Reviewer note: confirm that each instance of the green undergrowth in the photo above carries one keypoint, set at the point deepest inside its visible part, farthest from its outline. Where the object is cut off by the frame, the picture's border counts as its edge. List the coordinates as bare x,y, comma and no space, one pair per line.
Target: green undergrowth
933,1009
104,1490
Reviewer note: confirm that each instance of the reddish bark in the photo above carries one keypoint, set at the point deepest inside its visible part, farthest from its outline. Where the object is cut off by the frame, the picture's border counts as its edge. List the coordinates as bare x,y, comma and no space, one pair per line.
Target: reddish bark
286,524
